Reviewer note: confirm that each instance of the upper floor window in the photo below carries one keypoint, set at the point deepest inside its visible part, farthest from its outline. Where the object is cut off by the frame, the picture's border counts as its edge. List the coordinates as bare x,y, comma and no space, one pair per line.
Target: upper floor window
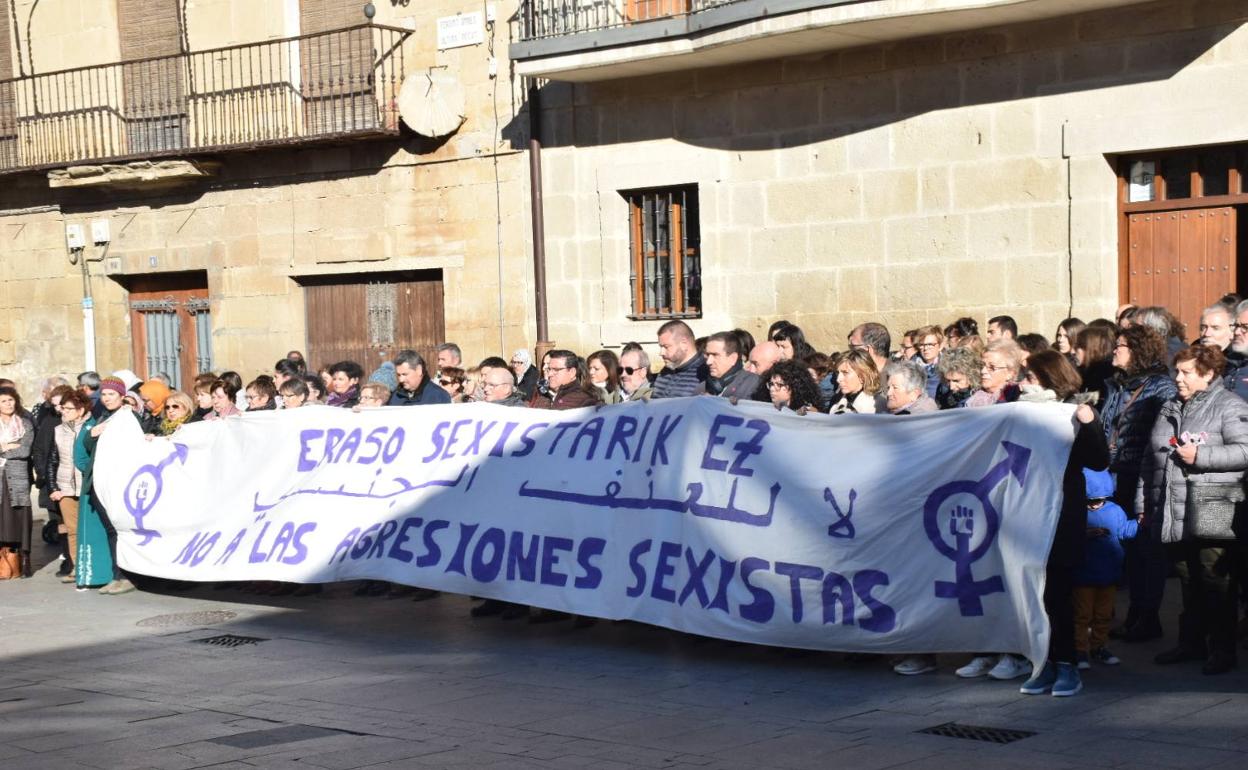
665,252
1186,174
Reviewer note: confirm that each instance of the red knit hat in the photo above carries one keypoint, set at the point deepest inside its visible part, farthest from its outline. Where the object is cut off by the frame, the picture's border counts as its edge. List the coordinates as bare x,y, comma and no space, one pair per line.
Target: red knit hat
113,383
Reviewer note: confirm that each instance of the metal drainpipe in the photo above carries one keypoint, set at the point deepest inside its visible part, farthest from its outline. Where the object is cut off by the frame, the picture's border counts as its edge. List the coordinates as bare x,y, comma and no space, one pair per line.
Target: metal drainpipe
536,207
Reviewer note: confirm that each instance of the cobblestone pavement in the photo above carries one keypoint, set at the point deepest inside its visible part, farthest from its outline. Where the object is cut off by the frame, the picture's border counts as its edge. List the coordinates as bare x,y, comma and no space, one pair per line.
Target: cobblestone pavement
340,682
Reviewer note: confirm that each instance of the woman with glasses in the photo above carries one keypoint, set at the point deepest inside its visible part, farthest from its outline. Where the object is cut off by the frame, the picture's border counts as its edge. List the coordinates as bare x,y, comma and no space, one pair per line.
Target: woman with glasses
998,374
789,385
526,373
929,341
452,379
604,373
294,393
178,411
64,479
1141,385
261,394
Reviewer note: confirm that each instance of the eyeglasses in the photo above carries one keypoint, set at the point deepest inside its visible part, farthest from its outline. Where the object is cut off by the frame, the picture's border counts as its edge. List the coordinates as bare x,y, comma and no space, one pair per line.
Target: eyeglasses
1240,327
928,345
631,369
172,407
494,384
517,361
773,385
553,370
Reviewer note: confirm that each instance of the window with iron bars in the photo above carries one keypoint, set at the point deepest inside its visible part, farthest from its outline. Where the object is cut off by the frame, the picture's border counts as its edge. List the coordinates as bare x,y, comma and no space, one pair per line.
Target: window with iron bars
665,265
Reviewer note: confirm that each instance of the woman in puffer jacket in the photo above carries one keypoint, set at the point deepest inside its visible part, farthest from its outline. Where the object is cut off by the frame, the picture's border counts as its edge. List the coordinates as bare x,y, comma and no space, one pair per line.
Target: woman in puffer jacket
1140,386
1191,483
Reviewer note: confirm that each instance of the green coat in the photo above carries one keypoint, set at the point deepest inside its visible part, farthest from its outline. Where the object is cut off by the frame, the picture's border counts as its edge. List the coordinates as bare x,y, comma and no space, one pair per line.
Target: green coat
93,564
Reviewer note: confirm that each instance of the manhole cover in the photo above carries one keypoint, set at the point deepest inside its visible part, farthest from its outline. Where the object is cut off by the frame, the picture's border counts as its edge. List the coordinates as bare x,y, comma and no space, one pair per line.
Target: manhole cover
230,640
975,733
206,618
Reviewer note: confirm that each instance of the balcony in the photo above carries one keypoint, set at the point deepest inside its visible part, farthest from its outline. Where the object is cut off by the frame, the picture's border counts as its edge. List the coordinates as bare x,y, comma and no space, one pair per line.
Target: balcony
585,40
312,88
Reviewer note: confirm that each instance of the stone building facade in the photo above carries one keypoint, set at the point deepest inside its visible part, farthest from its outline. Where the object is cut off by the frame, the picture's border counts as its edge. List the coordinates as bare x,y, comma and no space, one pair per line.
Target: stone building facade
908,161
912,180
265,241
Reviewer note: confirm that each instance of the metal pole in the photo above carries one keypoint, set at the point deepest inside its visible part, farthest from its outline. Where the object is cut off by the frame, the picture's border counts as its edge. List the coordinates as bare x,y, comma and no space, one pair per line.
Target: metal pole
536,208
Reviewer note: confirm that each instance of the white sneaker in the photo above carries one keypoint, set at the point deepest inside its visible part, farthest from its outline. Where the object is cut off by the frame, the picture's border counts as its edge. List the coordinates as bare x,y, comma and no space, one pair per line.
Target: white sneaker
1010,667
979,666
916,664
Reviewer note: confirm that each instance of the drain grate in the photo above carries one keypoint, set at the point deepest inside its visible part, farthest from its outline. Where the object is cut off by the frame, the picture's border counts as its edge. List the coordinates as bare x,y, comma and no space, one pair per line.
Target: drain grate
230,640
976,733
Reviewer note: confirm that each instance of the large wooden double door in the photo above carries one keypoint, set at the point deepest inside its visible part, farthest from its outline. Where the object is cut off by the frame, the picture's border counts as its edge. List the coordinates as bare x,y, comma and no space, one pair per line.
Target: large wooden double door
1183,260
171,327
368,318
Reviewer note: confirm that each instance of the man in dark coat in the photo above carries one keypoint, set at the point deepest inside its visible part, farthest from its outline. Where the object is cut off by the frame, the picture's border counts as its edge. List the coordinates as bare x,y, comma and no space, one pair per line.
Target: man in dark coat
726,374
415,387
686,368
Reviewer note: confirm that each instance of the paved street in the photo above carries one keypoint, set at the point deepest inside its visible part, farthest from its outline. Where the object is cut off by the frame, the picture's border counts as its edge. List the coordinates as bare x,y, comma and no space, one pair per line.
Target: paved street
340,682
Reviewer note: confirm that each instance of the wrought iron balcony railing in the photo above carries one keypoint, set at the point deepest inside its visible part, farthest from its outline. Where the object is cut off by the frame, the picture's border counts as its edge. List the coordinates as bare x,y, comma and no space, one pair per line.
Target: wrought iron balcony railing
342,83
553,18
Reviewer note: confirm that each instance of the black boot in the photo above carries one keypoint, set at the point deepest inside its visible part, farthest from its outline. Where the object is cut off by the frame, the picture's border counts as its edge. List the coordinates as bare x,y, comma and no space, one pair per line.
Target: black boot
1147,628
1120,632
27,570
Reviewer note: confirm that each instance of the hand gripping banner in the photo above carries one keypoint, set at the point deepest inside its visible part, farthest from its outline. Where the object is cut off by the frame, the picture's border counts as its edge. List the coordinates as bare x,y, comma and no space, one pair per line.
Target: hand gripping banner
926,533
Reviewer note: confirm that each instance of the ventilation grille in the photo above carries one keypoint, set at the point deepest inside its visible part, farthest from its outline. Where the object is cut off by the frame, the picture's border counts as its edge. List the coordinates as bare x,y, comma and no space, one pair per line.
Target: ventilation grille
975,733
230,640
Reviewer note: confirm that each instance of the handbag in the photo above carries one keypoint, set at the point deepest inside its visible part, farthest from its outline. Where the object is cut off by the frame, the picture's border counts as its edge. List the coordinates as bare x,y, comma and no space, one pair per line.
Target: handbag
1209,511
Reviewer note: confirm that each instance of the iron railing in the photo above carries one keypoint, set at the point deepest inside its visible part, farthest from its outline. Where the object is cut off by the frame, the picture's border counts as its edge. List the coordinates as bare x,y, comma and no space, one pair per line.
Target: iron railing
278,92
554,18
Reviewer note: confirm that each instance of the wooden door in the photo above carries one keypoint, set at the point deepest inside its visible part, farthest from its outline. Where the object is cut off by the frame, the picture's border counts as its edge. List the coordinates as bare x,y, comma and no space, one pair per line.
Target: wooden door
1183,260
368,318
170,327
154,89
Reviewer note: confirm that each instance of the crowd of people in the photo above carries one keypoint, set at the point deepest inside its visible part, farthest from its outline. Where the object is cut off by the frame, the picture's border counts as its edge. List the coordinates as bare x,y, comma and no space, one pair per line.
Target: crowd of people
1154,485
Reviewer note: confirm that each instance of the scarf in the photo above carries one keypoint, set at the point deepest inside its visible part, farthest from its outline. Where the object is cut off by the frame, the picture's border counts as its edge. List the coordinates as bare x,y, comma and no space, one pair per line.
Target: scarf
12,431
717,385
167,426
341,399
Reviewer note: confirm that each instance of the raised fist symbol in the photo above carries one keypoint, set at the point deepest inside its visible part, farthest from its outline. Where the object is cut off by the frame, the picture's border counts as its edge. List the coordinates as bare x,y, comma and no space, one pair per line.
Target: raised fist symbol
962,521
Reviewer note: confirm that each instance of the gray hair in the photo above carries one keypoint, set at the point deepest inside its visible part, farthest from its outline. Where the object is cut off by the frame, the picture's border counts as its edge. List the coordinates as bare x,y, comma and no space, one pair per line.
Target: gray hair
1218,307
1009,349
453,348
642,359
960,360
913,377
1242,307
1155,318
52,383
89,380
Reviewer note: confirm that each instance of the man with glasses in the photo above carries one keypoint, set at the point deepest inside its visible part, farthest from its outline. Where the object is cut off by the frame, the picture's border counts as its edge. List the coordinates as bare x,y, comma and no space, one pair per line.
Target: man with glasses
567,390
727,375
415,388
686,368
635,374
930,341
1237,355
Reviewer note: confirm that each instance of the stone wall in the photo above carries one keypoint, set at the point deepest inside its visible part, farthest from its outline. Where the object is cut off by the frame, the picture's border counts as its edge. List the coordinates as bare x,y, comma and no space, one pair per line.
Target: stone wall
271,216
909,183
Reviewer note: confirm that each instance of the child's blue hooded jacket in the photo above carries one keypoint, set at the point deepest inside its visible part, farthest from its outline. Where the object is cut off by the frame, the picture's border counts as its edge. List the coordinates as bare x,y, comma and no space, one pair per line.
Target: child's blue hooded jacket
1102,563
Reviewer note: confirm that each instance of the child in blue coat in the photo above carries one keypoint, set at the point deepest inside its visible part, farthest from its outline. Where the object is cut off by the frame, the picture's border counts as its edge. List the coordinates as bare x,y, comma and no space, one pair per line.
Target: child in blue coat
1096,582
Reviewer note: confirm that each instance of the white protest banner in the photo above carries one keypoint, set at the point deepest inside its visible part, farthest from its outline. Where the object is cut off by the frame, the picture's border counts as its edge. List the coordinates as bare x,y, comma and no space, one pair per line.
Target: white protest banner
869,533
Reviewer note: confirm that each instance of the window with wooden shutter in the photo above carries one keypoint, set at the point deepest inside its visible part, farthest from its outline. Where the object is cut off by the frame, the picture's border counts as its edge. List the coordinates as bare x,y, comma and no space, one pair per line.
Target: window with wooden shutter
665,252
154,89
337,69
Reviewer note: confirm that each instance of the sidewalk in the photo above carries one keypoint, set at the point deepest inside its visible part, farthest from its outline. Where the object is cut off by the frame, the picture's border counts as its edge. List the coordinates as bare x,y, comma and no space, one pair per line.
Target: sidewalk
340,682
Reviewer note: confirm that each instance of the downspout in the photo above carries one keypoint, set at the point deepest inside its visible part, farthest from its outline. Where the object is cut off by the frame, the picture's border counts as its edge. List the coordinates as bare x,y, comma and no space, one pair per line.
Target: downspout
537,209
